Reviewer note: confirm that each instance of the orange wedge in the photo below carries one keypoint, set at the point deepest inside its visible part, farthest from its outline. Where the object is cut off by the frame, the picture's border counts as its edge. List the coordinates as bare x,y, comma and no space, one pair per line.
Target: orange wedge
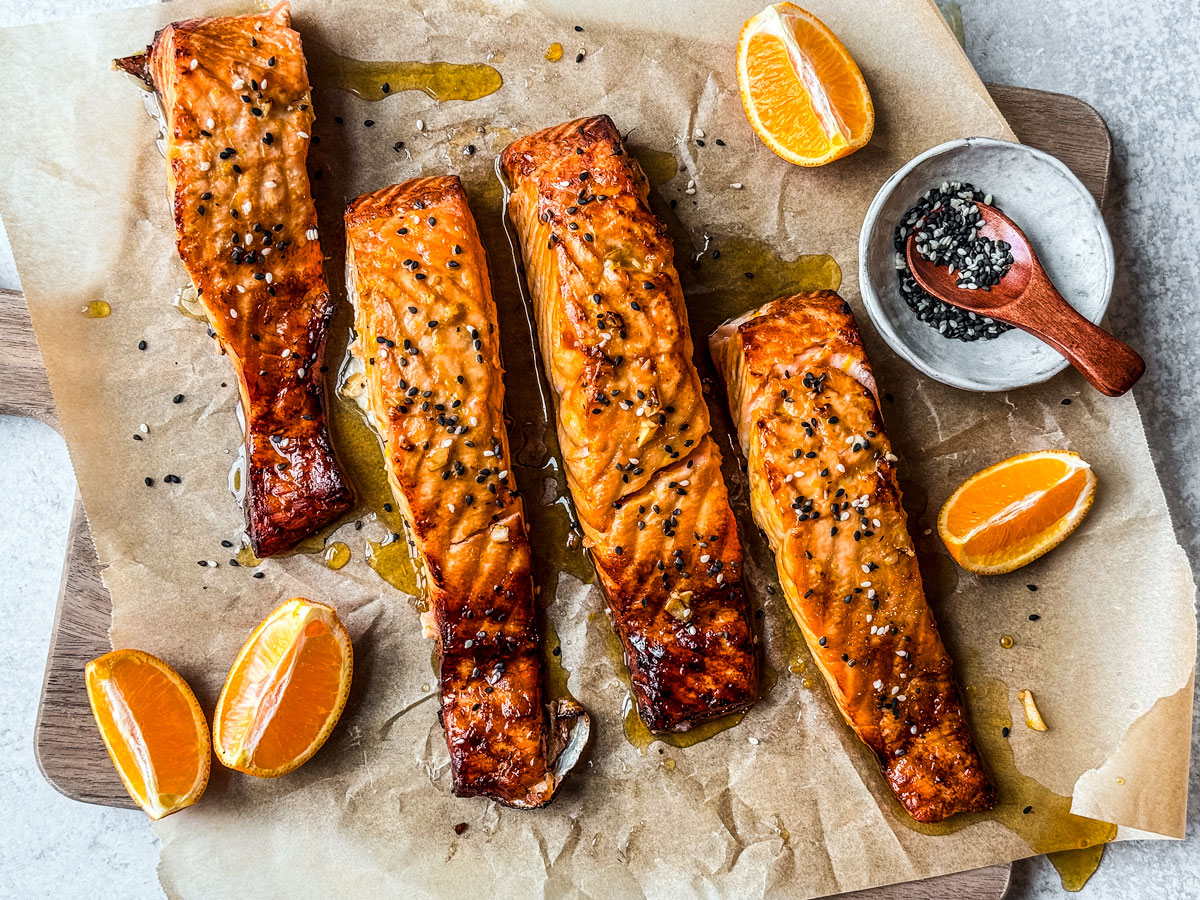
285,691
154,729
802,90
1011,513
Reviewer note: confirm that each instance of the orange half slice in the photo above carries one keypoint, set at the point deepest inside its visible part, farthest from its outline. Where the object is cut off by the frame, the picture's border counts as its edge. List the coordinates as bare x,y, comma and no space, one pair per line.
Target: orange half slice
1011,513
802,90
285,692
153,729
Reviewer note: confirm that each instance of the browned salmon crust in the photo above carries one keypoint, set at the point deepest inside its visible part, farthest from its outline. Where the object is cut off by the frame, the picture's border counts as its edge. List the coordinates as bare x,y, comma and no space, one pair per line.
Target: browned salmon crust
823,487
235,99
426,333
643,471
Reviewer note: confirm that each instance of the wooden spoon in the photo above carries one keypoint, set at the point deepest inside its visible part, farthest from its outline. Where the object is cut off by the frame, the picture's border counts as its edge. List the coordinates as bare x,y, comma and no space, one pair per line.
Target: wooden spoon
1025,297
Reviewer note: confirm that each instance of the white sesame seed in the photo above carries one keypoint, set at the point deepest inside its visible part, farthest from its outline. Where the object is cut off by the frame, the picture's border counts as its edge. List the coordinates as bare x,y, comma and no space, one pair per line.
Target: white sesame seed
246,207
753,741
311,234
300,373
303,135
420,125
205,165
232,313
877,684
895,690
193,64
690,191
699,132
213,563
144,428
210,124
240,289
270,278
238,84
691,182
737,185
269,184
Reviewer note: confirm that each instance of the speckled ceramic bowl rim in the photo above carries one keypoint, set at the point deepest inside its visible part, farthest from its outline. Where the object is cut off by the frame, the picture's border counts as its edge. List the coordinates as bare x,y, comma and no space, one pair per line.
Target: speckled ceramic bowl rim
875,306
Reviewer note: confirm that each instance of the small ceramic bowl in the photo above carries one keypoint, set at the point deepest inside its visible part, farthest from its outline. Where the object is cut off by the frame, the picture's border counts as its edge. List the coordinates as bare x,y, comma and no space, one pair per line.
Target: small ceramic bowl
1049,204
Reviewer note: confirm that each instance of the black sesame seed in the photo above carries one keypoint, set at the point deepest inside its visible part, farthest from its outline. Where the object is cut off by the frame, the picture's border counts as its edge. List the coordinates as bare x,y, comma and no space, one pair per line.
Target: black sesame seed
178,398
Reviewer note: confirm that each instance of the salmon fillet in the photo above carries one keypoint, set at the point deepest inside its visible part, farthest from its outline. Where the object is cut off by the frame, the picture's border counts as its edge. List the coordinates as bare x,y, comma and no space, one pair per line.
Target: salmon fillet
644,474
823,487
235,100
426,335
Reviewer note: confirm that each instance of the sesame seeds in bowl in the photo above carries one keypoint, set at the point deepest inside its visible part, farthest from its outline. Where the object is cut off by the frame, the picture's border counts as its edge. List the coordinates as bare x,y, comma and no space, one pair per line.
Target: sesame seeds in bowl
1043,197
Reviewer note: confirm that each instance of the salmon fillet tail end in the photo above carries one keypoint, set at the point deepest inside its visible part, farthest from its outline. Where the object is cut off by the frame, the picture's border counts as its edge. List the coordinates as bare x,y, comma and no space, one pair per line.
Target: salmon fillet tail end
237,114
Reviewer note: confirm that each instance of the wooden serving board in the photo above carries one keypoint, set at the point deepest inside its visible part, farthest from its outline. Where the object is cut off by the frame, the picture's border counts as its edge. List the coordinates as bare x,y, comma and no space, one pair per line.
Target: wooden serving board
66,742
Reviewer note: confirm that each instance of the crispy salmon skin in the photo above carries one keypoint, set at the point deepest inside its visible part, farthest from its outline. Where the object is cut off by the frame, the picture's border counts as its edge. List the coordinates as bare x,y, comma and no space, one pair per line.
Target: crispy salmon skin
426,335
823,487
234,95
642,469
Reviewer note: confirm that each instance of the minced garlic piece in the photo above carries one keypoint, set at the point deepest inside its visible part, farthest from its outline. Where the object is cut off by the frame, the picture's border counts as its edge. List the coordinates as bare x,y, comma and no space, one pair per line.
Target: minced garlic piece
678,607
1033,718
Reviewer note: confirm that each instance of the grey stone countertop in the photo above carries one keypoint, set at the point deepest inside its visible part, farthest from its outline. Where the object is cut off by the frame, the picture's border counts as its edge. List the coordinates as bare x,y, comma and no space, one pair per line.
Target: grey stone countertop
1136,62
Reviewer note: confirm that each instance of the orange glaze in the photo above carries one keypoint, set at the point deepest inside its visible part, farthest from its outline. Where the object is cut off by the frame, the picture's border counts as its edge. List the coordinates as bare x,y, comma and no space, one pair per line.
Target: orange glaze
643,471
823,487
235,98
426,334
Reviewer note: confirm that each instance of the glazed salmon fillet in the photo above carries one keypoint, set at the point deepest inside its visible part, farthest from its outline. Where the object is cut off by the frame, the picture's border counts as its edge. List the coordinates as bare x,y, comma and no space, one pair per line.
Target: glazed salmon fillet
426,335
823,487
643,471
234,95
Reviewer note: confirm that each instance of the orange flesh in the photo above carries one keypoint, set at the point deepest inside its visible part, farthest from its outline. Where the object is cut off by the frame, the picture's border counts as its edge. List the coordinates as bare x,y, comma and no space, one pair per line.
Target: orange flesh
151,728
783,103
993,493
1040,516
278,702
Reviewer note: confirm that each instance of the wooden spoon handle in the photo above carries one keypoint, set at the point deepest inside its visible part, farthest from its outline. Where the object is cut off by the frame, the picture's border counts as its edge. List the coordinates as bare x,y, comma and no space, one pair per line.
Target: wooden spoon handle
1111,365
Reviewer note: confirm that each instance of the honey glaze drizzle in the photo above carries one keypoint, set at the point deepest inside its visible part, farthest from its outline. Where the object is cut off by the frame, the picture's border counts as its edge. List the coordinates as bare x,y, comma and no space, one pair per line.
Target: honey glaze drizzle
375,80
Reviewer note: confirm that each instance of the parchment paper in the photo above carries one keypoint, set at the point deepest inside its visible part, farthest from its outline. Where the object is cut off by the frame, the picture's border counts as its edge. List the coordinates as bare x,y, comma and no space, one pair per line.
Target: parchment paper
786,804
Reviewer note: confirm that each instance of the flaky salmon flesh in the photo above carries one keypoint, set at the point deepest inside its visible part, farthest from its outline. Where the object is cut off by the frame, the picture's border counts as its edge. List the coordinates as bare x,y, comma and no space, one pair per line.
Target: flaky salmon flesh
823,488
235,100
643,471
425,327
